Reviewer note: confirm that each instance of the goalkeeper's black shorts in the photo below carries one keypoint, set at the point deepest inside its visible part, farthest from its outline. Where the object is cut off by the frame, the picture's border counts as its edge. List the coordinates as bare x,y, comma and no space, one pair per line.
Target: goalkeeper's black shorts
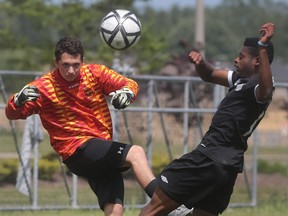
100,162
197,181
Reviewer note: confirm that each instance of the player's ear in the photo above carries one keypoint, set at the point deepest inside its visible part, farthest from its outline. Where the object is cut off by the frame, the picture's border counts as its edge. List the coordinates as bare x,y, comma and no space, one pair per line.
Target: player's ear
256,61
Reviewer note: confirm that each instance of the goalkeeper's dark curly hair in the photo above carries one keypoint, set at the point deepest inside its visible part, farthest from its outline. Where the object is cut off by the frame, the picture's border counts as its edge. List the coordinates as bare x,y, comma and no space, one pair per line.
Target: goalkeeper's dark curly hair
70,45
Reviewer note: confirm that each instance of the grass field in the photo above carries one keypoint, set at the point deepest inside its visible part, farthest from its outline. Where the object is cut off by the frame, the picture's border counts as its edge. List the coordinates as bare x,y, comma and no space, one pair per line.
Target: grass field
262,210
272,189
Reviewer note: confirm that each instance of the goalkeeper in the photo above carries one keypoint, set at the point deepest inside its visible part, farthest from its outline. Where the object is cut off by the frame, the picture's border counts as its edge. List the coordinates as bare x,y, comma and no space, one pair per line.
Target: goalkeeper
73,109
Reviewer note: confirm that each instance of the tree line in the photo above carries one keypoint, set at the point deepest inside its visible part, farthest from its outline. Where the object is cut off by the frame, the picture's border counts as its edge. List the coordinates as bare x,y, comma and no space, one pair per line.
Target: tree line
29,30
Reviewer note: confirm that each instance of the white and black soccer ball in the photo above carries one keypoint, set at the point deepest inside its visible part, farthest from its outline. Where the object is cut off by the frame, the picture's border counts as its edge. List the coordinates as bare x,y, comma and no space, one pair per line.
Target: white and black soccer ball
120,29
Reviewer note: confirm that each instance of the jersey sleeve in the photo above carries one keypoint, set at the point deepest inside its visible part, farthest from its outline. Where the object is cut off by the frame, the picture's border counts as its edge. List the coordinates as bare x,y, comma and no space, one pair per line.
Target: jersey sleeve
111,81
232,77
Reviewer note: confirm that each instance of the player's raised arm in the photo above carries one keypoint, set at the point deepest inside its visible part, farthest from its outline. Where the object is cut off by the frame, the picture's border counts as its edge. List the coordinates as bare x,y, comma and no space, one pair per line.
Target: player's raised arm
207,72
265,47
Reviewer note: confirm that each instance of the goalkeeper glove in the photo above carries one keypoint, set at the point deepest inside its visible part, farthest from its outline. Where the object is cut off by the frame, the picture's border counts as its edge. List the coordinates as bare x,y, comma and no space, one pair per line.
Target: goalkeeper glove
121,98
27,93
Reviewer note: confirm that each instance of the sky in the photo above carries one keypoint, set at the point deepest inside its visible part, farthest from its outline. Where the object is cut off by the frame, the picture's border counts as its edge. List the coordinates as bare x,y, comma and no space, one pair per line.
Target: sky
166,4
163,4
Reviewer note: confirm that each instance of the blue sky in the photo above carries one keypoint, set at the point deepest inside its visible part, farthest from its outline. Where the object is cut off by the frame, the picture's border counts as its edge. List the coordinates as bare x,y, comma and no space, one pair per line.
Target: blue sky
166,4
163,4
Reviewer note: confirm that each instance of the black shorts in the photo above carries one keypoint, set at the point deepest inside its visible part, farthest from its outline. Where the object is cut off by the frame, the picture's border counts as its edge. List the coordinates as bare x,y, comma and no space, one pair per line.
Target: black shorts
100,162
197,181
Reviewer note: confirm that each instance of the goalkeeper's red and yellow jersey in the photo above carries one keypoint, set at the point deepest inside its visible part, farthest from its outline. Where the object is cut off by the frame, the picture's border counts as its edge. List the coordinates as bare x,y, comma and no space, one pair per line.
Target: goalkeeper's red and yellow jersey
73,112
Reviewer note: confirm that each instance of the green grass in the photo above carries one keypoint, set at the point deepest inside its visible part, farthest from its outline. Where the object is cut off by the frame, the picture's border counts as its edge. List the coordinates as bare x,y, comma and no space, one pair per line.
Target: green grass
261,210
272,194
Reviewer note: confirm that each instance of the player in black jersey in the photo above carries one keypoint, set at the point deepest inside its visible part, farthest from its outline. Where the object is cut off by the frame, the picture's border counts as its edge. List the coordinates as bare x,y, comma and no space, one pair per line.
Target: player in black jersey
204,178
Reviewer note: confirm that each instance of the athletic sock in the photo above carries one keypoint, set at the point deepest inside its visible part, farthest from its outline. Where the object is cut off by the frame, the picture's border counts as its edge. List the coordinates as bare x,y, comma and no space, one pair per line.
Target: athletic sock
151,188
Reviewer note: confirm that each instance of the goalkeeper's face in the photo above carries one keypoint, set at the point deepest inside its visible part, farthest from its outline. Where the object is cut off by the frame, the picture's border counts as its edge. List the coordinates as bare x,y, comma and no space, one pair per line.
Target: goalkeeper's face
69,66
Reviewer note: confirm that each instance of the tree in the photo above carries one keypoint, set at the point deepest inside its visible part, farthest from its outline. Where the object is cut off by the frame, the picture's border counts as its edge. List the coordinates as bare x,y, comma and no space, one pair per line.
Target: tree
29,30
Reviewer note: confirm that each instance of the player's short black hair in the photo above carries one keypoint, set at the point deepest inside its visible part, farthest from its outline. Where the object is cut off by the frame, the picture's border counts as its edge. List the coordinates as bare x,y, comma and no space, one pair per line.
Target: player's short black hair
253,42
70,45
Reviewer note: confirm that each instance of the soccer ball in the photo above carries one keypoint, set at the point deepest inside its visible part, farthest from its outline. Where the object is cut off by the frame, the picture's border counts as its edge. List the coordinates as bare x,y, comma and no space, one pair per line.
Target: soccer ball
120,29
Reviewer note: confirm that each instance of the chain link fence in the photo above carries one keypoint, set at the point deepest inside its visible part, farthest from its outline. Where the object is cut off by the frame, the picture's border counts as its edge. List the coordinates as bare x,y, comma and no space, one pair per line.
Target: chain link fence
168,119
